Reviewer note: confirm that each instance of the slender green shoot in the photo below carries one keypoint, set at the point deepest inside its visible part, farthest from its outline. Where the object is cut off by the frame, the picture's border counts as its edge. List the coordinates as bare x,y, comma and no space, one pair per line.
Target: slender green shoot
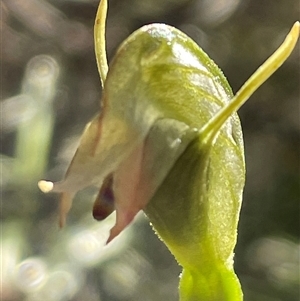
210,130
99,37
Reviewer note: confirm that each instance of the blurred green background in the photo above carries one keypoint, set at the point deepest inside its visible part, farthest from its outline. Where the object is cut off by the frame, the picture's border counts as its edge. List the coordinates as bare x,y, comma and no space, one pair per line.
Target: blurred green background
50,89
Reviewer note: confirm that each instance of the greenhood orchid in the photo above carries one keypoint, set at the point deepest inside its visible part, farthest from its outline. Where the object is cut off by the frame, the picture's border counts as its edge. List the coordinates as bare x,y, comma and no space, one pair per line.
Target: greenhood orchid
168,141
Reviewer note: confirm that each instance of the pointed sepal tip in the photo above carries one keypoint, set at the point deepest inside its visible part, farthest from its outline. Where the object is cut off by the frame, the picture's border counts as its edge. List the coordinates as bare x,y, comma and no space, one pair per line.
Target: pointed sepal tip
45,186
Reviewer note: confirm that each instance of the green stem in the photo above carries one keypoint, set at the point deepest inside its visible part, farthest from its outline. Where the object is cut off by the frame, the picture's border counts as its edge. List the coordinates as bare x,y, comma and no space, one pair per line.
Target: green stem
212,284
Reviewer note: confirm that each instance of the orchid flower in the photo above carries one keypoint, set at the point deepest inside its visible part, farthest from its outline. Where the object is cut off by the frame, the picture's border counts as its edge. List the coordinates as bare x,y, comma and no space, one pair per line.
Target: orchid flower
168,141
